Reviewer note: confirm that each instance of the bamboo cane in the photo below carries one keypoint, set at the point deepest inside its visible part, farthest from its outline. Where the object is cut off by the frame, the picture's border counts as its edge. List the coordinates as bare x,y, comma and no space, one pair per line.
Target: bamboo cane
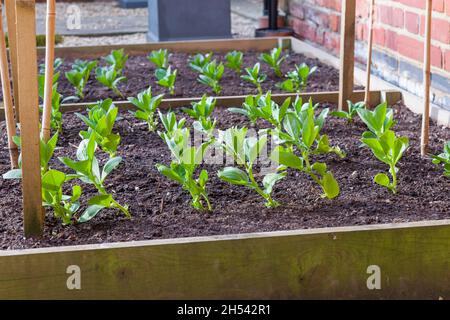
49,58
369,54
426,84
7,99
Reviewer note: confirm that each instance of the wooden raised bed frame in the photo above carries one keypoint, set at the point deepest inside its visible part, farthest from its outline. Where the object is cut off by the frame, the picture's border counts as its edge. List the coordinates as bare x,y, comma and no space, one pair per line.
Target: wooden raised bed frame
414,258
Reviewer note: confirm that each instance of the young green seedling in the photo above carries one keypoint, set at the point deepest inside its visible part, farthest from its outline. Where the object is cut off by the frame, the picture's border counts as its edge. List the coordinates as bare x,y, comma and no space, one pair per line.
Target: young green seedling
245,151
274,60
297,79
100,120
385,145
211,75
352,111
146,105
263,107
166,78
199,61
254,77
388,149
302,131
108,76
234,61
117,60
186,159
201,111
160,58
56,65
444,159
79,75
88,170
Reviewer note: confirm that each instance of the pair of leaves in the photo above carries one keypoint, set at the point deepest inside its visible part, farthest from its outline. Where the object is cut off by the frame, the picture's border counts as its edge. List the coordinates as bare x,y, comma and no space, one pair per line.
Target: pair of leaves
274,59
380,120
253,76
234,60
166,78
109,77
160,58
352,111
146,105
199,61
444,159
117,60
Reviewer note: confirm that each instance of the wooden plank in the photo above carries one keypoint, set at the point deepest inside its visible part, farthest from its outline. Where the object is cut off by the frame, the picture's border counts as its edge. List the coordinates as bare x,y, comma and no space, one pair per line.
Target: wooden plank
328,263
260,44
233,101
347,52
12,41
367,101
33,214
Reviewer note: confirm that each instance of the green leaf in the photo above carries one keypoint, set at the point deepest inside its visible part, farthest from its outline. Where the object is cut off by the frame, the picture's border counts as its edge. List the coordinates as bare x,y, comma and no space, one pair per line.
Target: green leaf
320,167
104,200
330,186
382,179
169,173
90,213
13,174
286,158
110,166
53,180
76,193
271,179
234,176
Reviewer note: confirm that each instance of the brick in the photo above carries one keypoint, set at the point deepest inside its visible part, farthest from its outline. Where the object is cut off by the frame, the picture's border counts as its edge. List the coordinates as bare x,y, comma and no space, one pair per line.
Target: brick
379,37
440,29
391,40
362,8
391,16
413,3
330,4
438,5
447,60
412,22
332,42
335,22
296,10
436,58
410,47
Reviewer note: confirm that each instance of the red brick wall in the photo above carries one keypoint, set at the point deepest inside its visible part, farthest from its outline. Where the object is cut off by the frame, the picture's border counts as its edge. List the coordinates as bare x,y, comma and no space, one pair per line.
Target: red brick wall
398,38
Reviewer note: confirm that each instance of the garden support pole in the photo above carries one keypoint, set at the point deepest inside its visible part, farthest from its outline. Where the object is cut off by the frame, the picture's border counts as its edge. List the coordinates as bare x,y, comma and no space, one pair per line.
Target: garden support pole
426,81
49,57
7,99
347,52
12,42
33,214
369,54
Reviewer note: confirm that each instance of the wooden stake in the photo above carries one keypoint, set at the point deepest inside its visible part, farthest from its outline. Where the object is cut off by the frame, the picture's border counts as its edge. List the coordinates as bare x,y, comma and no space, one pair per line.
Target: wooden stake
7,99
49,58
12,42
426,82
369,54
33,214
347,52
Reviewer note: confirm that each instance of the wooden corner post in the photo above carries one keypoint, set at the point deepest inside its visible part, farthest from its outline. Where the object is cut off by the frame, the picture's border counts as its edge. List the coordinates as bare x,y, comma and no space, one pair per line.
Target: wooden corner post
425,136
33,213
347,52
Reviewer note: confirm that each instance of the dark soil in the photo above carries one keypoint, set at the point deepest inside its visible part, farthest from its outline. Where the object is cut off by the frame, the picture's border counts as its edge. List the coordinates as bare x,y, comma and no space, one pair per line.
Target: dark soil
161,209
140,74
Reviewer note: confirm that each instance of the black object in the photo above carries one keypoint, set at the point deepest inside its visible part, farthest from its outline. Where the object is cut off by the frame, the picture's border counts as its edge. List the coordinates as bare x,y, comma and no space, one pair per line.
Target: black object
271,6
170,20
131,4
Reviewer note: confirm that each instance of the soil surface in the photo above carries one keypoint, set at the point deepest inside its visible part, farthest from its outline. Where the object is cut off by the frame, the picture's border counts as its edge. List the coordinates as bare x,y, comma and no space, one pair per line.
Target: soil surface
140,74
161,209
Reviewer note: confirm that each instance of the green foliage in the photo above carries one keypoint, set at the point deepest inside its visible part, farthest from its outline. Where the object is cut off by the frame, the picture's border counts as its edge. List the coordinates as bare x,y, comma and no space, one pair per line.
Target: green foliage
274,59
245,151
262,107
79,75
385,145
160,58
254,77
388,149
186,160
297,79
64,206
380,120
100,120
234,61
166,78
146,105
211,75
351,113
88,170
109,77
56,65
117,59
201,111
199,61
302,130
444,159
170,122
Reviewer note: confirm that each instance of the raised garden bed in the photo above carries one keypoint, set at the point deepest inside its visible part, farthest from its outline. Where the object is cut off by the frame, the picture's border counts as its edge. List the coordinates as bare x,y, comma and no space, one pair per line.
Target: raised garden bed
317,263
